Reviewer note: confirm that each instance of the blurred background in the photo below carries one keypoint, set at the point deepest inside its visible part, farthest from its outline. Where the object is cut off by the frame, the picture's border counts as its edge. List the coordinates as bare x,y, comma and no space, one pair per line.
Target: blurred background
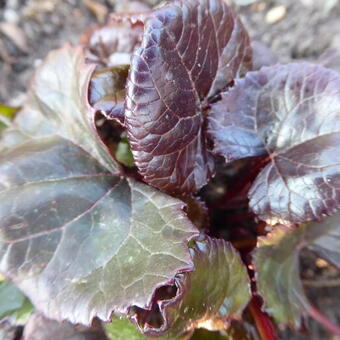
293,29
30,28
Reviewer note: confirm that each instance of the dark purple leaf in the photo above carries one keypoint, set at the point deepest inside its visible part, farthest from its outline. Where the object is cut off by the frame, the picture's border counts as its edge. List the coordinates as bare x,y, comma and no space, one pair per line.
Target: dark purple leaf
107,92
277,265
113,44
189,52
292,114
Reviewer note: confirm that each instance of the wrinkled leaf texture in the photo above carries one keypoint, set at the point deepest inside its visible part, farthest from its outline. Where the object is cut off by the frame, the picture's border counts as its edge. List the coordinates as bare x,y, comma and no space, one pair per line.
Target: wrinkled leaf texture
190,51
79,240
216,291
292,114
277,265
82,242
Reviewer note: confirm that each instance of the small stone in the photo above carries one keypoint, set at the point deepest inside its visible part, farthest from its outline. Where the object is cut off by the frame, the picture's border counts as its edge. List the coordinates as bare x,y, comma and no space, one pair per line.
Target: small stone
15,34
11,16
275,14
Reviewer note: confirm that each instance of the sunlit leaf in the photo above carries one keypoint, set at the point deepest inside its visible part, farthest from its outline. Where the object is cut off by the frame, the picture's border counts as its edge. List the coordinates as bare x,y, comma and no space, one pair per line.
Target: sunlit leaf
57,104
277,265
217,290
291,113
189,52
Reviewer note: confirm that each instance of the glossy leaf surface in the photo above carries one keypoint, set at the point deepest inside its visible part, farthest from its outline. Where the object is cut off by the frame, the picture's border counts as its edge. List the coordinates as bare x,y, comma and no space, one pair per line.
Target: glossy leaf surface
107,92
292,114
189,52
277,265
81,242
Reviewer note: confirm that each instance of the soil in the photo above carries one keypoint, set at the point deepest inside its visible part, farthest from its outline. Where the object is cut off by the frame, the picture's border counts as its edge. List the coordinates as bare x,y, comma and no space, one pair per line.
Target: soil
294,29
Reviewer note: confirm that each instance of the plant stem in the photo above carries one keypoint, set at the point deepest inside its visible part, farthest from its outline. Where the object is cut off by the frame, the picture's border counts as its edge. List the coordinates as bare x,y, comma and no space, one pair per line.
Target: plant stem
262,321
323,320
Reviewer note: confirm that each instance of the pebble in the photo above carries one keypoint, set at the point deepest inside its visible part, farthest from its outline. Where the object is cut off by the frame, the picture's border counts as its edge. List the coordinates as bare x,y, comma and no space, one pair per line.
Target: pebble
11,16
15,34
275,14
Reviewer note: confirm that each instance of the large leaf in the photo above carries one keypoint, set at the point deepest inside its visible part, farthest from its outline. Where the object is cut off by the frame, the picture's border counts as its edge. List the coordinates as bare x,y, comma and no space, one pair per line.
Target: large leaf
57,105
277,265
216,291
81,242
291,113
190,51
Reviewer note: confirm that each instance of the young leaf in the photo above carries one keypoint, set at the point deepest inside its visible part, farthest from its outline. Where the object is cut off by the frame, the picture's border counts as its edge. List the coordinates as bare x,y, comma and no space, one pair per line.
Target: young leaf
107,92
41,328
216,291
277,265
113,44
57,105
124,155
81,242
190,51
292,113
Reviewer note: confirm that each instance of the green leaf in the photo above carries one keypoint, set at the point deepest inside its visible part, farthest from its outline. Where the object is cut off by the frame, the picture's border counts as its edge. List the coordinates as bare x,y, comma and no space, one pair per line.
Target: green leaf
8,111
217,290
122,329
57,104
82,242
124,154
277,265
6,115
14,303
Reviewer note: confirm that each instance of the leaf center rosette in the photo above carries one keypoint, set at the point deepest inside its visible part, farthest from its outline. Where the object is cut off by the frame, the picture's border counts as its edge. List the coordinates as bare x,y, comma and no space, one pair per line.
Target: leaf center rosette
188,52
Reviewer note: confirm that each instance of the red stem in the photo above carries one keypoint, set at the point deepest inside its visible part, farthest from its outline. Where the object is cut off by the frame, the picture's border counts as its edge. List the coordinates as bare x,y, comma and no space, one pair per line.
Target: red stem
323,320
263,322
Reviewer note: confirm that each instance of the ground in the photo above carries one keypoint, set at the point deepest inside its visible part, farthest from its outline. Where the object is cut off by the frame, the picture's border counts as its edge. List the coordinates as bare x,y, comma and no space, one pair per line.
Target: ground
294,29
